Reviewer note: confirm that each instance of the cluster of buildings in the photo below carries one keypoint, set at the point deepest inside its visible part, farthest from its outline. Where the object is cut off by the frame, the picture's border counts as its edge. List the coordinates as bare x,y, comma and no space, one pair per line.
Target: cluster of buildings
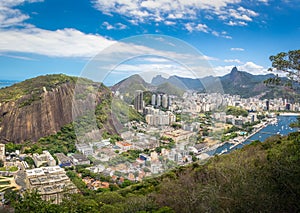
206,102
48,177
179,135
255,104
50,182
93,184
235,120
153,114
161,100
157,117
43,159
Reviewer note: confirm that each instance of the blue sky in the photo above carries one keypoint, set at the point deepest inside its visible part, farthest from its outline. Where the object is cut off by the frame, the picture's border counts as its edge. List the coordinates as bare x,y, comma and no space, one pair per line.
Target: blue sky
62,36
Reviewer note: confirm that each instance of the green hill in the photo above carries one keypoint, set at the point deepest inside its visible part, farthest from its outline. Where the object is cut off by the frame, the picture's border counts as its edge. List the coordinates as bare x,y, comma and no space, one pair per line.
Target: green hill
34,86
170,89
42,106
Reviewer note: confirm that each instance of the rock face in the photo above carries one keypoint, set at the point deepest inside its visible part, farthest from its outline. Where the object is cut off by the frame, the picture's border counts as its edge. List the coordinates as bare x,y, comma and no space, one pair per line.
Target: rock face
42,117
40,106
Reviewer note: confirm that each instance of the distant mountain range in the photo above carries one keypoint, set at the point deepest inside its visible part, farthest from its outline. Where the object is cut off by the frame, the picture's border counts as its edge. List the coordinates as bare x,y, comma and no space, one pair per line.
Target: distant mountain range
135,82
235,83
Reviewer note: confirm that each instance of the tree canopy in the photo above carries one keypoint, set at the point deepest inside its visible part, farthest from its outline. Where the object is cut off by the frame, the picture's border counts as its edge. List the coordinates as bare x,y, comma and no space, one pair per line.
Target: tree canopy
288,62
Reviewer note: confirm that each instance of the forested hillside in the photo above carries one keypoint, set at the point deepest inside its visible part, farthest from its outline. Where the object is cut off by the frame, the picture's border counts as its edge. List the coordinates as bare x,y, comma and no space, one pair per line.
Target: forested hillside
261,177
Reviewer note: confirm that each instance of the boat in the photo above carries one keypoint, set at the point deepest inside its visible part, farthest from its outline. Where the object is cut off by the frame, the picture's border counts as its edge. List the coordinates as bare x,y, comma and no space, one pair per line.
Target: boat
223,151
233,146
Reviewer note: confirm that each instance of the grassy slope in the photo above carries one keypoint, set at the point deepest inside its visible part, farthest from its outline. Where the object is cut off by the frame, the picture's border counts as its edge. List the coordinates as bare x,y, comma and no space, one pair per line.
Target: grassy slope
33,86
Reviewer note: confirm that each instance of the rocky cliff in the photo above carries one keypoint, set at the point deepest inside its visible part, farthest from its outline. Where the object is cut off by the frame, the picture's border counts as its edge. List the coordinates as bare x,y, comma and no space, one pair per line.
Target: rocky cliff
37,107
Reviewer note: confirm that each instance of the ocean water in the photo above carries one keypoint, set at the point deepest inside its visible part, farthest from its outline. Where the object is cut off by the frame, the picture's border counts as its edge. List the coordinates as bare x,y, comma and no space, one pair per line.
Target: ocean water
7,83
282,128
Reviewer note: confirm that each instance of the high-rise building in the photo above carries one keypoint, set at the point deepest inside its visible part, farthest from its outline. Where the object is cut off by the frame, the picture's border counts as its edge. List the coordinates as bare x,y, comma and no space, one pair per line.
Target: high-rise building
138,100
153,100
158,103
267,105
164,101
2,151
170,101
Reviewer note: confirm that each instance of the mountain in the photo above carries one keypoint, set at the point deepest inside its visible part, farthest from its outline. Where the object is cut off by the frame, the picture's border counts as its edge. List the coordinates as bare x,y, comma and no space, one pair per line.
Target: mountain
243,83
236,82
41,106
181,82
169,89
131,84
128,87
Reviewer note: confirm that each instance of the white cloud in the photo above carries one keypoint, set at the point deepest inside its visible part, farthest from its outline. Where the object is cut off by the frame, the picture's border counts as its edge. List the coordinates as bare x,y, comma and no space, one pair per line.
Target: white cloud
9,15
252,68
19,37
215,33
170,22
165,10
236,23
238,16
191,27
202,28
117,26
237,49
17,57
233,61
249,67
155,59
107,25
222,70
61,43
148,71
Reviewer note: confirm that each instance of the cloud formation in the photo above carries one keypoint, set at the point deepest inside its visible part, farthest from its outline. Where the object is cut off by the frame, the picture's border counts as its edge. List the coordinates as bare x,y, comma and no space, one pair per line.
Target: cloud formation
9,15
237,49
58,43
249,67
117,26
142,11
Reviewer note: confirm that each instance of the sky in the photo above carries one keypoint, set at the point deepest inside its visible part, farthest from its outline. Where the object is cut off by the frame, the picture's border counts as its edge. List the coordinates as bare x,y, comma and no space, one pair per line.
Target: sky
117,38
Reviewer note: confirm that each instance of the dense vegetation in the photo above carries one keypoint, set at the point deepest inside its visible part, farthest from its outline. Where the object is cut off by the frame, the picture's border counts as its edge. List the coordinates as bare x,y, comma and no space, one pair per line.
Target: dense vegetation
236,111
123,112
34,87
261,177
170,89
63,141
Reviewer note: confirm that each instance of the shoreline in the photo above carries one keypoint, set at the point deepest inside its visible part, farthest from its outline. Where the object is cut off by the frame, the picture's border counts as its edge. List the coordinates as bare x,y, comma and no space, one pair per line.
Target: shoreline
243,140
289,114
262,126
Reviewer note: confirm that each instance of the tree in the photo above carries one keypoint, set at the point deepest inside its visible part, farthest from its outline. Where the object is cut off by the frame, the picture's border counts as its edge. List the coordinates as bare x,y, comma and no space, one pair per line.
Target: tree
287,62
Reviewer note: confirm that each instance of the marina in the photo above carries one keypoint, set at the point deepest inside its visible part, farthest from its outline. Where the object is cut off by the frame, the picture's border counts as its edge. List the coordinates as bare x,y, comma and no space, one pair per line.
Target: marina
279,126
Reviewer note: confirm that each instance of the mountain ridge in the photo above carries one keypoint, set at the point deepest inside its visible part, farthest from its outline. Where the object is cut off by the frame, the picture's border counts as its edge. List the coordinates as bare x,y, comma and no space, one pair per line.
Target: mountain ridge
235,82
